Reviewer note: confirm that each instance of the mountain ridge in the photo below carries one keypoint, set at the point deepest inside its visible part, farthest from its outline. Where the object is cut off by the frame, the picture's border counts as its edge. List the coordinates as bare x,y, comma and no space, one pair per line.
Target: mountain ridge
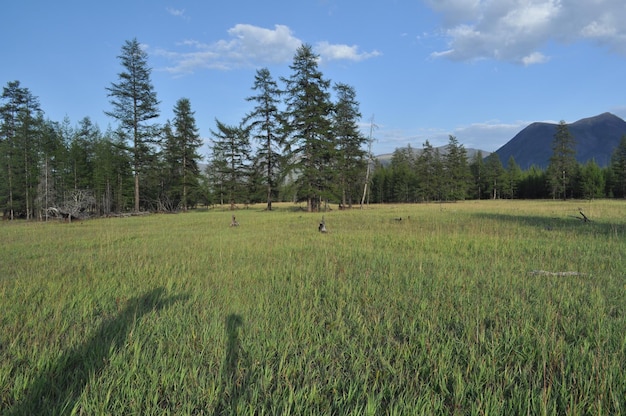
596,138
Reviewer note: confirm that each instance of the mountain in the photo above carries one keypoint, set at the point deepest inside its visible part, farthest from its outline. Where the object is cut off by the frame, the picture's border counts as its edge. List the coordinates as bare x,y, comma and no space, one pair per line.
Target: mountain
385,158
596,138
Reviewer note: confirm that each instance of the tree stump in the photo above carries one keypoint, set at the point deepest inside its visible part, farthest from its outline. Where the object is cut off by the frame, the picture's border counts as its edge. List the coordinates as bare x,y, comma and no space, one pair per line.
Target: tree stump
322,226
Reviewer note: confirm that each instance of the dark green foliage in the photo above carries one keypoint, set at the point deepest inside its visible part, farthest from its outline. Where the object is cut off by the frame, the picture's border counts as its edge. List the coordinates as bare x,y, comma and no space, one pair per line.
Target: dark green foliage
180,159
618,169
135,105
429,166
477,168
512,178
113,180
591,181
230,163
20,137
311,148
563,163
403,177
457,173
351,161
495,176
267,126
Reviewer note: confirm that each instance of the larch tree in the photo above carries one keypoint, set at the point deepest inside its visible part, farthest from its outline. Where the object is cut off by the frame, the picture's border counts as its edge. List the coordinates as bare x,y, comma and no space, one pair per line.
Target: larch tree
477,167
230,159
135,106
562,167
513,177
267,126
352,162
429,171
311,148
618,168
457,170
21,121
184,149
495,176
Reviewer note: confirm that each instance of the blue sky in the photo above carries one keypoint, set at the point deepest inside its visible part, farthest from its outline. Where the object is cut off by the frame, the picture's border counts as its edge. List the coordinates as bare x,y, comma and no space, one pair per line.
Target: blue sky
480,70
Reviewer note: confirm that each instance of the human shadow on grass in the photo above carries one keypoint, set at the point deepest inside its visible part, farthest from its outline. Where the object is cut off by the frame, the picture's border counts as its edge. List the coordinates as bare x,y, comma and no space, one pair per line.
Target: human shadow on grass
233,376
56,390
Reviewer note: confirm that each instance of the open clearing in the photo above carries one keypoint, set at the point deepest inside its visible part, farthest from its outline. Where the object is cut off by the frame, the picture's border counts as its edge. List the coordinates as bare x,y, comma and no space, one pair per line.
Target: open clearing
481,307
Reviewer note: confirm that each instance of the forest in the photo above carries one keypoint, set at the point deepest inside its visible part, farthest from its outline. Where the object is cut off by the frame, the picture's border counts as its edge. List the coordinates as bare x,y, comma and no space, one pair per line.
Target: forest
300,142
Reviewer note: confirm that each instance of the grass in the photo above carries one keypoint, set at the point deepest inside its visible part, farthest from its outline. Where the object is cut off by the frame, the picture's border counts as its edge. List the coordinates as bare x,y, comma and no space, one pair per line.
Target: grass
437,313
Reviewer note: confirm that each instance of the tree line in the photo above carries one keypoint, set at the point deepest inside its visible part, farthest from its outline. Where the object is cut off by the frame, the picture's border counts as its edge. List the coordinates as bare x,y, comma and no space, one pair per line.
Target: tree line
295,144
299,142
448,174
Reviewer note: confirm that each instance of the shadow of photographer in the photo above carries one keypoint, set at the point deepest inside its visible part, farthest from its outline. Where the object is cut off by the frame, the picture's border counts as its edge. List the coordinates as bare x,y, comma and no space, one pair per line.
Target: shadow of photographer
57,388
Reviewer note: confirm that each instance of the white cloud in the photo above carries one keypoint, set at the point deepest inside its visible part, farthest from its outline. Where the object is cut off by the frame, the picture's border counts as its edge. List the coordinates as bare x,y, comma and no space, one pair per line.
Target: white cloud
488,136
250,46
176,12
330,52
517,30
534,58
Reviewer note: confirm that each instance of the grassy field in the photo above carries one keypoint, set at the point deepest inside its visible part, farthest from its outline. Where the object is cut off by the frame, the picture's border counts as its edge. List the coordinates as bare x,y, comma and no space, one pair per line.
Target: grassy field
461,308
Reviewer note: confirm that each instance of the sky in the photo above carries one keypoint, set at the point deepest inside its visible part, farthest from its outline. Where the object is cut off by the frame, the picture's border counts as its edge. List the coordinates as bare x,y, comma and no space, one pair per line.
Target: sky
480,70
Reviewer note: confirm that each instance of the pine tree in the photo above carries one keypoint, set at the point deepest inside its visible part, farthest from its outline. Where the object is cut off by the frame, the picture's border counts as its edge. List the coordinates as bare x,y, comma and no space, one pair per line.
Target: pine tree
267,126
562,166
135,105
311,148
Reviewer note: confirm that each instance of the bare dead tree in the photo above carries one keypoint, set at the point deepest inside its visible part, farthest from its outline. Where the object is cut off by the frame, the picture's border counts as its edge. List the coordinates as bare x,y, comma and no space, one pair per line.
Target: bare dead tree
79,204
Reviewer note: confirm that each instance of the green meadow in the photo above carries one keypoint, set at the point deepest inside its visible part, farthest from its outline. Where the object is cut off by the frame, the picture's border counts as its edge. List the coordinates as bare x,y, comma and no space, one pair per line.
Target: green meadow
477,307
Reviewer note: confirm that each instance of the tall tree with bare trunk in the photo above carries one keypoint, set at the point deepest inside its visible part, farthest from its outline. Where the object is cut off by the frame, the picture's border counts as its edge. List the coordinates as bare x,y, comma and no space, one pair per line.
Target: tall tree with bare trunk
135,106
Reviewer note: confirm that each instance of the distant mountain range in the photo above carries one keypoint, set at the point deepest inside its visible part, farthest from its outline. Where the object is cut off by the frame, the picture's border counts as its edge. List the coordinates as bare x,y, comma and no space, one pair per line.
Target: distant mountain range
596,138
385,159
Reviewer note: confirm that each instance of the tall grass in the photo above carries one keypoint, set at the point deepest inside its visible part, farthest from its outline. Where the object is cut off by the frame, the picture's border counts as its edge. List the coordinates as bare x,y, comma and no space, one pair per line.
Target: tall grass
441,312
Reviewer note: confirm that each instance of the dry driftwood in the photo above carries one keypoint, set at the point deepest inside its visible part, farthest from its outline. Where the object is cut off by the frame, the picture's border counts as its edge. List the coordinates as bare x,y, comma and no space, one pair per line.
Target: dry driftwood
547,273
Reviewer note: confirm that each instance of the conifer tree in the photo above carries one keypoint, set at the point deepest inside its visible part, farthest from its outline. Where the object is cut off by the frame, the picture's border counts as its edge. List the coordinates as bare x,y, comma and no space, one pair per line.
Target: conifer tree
618,168
457,170
230,161
21,122
494,176
135,106
311,147
351,164
512,178
429,167
182,150
267,126
562,167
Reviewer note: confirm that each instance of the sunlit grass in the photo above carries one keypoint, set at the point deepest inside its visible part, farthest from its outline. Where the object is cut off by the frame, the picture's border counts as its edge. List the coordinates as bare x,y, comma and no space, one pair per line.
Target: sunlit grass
437,312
